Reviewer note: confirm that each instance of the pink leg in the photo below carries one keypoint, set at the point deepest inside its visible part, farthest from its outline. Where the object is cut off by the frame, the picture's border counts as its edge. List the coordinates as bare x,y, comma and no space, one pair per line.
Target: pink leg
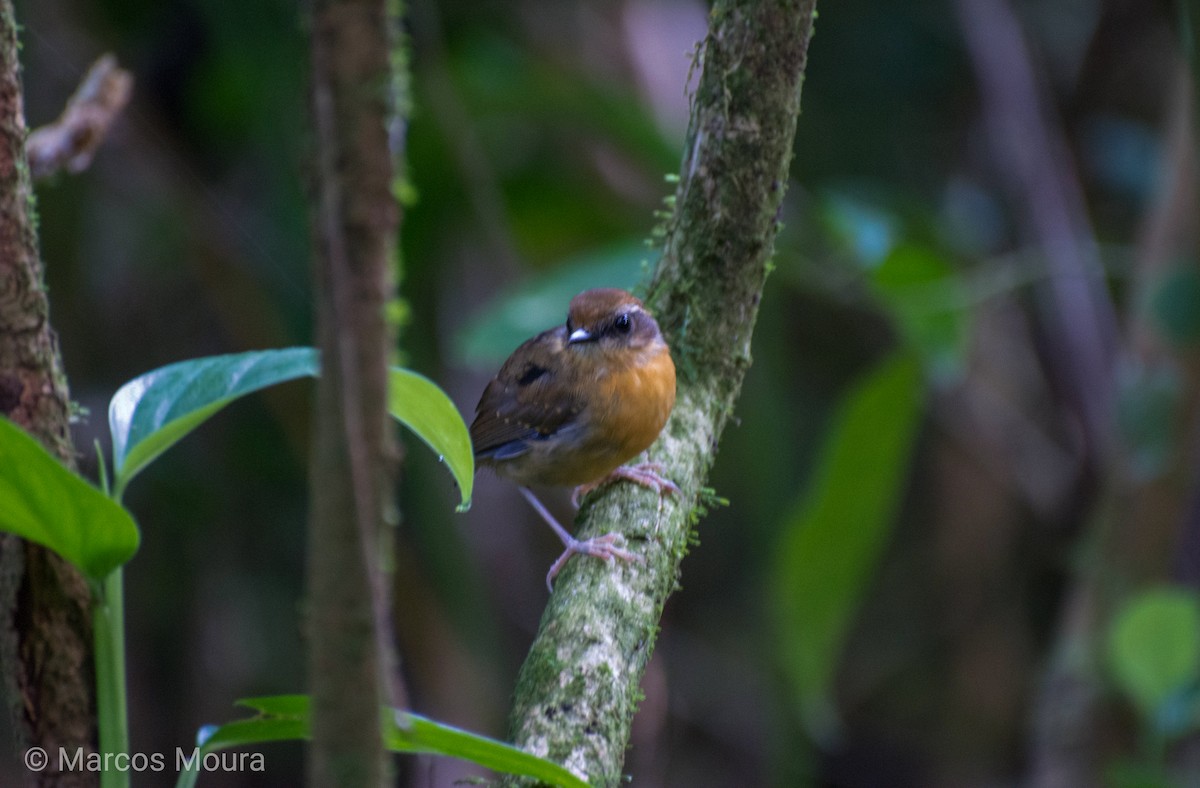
603,547
647,474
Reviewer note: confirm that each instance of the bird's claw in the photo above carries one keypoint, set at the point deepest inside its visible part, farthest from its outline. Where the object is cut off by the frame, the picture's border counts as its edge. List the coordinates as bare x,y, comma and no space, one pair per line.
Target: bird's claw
602,547
647,474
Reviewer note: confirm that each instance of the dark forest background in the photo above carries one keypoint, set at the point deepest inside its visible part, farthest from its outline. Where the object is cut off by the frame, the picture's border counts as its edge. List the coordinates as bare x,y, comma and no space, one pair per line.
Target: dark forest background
542,137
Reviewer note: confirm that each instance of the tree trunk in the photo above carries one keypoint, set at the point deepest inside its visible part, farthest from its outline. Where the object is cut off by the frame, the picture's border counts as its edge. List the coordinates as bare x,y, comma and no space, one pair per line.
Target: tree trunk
355,220
46,634
578,689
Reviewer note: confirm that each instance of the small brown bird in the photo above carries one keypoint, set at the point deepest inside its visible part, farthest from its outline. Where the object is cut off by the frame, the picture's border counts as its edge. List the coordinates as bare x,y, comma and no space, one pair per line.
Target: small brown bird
573,404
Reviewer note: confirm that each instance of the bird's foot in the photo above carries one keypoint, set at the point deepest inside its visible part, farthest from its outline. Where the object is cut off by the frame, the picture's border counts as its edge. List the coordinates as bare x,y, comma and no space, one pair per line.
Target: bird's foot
647,474
602,547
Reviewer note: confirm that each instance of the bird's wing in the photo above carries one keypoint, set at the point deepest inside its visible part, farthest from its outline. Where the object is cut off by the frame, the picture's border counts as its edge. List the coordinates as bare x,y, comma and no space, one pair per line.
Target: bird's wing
528,400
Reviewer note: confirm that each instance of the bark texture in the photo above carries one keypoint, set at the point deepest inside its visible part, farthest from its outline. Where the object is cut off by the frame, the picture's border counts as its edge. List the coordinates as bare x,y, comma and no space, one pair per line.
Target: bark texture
45,634
355,220
579,687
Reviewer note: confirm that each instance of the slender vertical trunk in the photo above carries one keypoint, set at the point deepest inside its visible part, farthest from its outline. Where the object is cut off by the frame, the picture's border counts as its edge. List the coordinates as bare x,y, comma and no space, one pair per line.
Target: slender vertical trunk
45,633
355,220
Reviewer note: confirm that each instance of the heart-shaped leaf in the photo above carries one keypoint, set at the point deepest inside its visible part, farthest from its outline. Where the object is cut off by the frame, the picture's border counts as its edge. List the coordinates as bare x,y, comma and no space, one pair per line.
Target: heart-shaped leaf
152,412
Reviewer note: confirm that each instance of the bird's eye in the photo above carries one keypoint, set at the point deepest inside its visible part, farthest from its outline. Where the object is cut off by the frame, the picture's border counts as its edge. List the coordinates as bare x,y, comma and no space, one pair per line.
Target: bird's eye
623,323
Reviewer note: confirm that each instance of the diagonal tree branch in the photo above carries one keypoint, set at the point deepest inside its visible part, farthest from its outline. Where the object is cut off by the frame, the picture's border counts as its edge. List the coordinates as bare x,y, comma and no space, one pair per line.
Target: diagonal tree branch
579,687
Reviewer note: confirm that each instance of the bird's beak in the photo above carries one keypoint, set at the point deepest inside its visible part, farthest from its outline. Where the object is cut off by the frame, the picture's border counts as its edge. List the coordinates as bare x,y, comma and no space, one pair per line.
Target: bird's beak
579,335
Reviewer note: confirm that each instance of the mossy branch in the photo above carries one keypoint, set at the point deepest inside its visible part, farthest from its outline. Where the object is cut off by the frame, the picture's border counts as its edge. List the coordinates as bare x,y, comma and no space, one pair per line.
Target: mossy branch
579,687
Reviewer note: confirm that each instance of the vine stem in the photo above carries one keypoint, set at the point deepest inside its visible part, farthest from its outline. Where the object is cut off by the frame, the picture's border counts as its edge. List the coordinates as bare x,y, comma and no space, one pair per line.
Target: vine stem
108,624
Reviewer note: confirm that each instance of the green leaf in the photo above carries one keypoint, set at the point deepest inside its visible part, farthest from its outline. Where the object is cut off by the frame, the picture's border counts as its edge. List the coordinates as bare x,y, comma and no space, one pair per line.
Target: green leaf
43,502
834,535
241,733
542,303
255,731
150,413
419,404
1154,646
426,736
286,717
278,705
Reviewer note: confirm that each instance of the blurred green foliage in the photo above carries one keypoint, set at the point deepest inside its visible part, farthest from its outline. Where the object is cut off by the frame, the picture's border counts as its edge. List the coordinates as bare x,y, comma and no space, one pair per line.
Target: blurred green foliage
835,534
1154,646
1153,657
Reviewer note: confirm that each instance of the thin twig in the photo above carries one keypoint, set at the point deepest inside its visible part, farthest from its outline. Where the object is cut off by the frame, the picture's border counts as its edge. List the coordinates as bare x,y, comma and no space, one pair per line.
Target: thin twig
70,142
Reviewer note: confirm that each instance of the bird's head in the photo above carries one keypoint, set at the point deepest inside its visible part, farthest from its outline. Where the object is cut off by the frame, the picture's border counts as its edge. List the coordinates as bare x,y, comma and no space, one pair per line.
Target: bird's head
610,321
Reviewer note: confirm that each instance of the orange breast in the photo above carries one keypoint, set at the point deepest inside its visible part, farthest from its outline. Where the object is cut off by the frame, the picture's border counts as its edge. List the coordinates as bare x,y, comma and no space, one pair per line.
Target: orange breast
636,403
